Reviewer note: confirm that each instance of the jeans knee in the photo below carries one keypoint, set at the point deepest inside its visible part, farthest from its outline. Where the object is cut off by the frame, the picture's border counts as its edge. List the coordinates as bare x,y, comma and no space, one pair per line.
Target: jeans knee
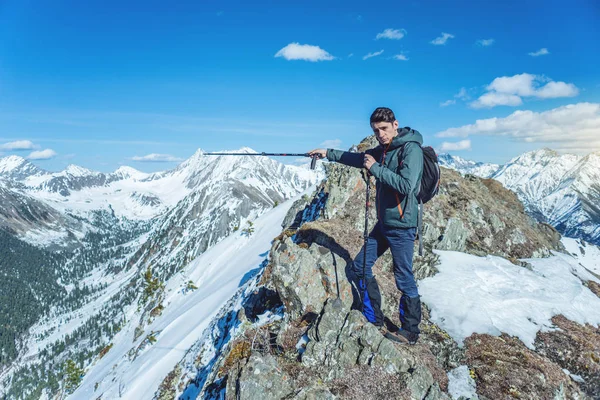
408,287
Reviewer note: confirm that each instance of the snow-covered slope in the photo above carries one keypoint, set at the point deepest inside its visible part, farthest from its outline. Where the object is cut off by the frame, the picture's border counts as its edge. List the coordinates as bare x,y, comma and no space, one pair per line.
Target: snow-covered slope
483,170
126,224
492,295
218,274
563,190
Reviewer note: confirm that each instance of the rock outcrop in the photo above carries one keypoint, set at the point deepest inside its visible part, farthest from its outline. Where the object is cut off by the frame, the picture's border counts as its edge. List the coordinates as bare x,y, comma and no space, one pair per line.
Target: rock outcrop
323,349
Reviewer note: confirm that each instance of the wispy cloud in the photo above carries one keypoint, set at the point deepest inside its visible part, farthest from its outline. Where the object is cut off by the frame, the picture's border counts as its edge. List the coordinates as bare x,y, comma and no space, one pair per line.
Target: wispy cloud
305,52
439,41
331,144
154,157
574,127
18,145
375,54
455,146
509,90
401,57
42,154
461,95
394,34
541,52
350,55
485,42
447,103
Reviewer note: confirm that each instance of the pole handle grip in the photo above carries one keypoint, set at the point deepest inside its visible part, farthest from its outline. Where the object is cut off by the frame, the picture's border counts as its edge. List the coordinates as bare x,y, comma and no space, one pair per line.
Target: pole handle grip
313,163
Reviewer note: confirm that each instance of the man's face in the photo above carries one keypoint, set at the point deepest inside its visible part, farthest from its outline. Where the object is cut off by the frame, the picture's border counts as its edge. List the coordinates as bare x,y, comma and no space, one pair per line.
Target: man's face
385,131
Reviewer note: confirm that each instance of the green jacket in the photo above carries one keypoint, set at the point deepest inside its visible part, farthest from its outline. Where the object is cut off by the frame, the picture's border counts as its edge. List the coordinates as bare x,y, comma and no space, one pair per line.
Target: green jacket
398,173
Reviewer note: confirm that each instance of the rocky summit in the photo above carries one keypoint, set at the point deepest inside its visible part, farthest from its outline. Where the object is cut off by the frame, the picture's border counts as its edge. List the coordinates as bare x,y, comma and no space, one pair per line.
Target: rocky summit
320,348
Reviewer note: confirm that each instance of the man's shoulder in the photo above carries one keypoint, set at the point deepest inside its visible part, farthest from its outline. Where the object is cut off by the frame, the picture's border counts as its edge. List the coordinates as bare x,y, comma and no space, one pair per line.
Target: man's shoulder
410,147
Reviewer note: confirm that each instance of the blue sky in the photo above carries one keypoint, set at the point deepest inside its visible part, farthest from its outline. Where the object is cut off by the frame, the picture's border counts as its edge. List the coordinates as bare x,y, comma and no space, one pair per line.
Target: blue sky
101,84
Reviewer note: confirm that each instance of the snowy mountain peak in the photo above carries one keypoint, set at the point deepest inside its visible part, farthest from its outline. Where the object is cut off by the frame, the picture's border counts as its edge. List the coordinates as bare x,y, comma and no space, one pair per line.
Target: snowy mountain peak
244,150
542,156
125,172
484,170
18,168
11,163
77,171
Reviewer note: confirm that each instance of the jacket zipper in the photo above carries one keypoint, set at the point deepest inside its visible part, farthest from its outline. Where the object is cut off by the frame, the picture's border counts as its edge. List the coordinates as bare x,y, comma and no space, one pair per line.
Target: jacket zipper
378,186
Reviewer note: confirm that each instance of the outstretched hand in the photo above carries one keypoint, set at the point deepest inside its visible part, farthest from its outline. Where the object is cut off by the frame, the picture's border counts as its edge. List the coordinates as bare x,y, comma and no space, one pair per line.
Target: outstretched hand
321,153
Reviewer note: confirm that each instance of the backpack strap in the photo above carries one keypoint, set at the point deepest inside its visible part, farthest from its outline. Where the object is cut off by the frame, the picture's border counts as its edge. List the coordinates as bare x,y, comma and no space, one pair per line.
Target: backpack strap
420,227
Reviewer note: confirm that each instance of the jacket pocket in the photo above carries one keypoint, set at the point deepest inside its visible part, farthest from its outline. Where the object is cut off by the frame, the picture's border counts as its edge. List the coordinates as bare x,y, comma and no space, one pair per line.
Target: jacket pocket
399,205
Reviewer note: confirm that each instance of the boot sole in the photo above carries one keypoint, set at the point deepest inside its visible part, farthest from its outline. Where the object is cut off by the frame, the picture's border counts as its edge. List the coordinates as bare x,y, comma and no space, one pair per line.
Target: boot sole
398,339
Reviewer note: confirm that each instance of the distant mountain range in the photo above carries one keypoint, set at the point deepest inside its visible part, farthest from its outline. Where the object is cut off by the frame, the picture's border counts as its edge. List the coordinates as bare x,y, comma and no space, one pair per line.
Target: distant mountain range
79,237
560,189
44,207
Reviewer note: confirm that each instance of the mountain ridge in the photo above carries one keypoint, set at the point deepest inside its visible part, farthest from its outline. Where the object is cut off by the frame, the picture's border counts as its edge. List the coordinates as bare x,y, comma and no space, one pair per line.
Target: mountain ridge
561,189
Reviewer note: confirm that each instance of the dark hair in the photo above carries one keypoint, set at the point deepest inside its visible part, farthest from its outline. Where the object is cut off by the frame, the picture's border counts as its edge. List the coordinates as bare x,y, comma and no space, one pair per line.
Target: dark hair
382,114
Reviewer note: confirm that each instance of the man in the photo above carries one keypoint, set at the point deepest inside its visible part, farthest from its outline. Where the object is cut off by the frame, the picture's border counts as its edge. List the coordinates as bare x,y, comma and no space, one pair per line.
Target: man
397,165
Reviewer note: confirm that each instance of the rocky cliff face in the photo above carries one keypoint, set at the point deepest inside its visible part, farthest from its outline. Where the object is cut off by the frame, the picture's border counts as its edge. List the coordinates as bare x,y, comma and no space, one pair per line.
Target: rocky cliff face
319,348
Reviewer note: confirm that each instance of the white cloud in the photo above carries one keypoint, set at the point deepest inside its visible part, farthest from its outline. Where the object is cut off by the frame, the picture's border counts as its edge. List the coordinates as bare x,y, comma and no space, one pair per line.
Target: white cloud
521,84
509,90
154,157
400,57
350,55
541,52
461,95
455,146
493,99
557,89
395,34
442,39
375,54
306,52
331,144
485,42
42,154
574,127
18,145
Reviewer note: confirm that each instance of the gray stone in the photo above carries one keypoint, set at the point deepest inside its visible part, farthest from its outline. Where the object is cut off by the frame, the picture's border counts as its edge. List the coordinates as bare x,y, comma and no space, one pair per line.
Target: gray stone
455,236
261,378
314,392
305,278
435,393
419,381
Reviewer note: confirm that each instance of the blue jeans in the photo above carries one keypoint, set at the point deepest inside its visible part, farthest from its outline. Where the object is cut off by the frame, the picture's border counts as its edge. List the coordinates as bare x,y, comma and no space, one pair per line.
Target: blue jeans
400,241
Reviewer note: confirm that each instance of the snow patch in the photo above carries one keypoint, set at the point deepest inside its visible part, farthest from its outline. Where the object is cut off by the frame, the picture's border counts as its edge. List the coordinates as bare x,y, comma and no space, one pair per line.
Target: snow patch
491,295
460,383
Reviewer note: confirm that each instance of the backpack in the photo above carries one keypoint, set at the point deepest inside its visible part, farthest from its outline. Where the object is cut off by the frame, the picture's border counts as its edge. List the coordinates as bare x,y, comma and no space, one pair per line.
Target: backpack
430,182
430,186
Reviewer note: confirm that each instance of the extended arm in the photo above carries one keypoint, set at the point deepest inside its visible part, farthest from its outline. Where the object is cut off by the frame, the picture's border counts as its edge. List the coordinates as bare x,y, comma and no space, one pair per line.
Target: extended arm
347,158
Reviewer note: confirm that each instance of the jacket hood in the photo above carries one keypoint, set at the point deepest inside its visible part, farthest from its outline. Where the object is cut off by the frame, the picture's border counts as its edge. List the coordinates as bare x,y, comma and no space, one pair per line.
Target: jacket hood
405,135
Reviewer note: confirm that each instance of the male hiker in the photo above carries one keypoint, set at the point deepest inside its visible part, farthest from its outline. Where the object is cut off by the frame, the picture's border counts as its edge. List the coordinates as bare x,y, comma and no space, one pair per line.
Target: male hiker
397,165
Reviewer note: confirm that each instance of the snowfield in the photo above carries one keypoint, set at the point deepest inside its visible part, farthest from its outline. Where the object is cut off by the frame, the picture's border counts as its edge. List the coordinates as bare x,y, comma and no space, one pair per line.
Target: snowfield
218,274
491,295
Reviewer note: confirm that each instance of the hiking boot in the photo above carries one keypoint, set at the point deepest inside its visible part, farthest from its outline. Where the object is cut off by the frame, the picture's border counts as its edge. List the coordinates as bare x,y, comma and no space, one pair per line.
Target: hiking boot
400,336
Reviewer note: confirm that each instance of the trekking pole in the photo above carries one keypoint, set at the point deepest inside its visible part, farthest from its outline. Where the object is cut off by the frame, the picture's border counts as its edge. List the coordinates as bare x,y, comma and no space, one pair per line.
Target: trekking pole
313,163
365,237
